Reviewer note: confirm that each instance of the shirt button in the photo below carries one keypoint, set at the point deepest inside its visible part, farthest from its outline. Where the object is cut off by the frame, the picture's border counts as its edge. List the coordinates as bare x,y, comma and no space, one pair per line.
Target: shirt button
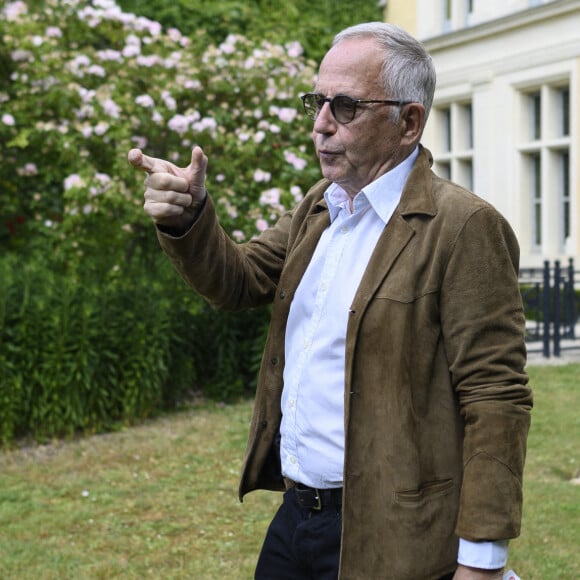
344,230
293,460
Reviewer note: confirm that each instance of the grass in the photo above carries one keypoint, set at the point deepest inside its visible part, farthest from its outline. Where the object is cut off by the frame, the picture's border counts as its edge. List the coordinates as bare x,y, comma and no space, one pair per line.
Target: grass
548,547
159,500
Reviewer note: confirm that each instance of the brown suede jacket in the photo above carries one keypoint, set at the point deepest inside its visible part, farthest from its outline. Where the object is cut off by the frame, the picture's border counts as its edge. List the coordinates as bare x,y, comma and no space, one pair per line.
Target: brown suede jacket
437,406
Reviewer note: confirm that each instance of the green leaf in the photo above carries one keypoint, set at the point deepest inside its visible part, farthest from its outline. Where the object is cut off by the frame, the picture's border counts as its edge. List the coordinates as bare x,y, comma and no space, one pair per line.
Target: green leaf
21,140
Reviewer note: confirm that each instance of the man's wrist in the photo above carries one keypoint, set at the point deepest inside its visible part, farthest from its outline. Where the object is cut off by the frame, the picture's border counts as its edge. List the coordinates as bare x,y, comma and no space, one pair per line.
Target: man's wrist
469,573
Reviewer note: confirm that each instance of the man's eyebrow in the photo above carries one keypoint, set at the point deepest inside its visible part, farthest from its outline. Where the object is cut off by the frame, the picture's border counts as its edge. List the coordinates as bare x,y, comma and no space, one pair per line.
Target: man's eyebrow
338,94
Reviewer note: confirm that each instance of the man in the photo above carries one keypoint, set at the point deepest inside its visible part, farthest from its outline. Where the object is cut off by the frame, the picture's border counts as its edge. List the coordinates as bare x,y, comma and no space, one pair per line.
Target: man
392,403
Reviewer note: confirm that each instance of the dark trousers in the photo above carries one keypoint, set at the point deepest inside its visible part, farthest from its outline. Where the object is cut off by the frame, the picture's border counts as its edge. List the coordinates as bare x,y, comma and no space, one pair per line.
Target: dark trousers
302,544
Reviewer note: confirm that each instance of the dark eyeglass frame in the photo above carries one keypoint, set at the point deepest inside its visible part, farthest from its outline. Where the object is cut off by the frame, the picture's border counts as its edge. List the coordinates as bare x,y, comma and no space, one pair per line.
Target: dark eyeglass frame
339,114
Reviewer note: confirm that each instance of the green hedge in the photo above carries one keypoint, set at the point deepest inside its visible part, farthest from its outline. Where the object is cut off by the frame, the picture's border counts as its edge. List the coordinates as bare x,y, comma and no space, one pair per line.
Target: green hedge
83,353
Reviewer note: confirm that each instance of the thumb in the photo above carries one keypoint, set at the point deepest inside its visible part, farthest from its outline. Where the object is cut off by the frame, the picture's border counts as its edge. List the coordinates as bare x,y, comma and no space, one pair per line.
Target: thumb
196,171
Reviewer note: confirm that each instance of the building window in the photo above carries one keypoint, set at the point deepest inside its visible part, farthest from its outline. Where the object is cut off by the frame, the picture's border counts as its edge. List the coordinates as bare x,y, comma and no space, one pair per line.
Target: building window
545,154
564,111
447,15
445,115
536,194
565,213
469,12
456,14
444,169
448,9
535,116
466,121
454,150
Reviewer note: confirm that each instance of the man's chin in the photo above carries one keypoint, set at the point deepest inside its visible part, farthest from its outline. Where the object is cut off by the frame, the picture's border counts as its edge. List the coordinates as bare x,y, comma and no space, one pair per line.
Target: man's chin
331,172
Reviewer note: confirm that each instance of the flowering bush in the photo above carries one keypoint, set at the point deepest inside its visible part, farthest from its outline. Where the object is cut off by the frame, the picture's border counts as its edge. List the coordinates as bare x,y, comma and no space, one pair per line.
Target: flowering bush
313,23
86,82
88,335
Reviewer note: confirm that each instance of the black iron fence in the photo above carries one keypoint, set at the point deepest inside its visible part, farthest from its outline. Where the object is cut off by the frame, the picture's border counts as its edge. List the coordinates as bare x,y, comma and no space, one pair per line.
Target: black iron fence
552,308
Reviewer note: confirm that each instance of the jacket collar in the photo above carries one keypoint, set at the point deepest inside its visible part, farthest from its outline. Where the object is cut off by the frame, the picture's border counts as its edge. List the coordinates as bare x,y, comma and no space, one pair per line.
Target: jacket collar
417,197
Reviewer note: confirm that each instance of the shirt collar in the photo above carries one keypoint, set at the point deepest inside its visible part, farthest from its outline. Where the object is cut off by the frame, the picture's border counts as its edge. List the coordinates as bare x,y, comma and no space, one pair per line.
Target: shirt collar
382,193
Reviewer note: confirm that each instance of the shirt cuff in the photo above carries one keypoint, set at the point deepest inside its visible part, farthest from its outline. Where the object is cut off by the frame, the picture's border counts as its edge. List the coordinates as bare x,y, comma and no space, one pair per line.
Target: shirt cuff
485,555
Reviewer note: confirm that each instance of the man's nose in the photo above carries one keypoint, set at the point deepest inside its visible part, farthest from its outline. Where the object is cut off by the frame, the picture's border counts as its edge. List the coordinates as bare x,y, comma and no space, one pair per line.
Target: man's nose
325,120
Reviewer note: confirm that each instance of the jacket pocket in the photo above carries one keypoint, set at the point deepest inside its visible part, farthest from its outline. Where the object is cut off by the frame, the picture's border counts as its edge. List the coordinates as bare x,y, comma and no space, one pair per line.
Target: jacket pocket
414,498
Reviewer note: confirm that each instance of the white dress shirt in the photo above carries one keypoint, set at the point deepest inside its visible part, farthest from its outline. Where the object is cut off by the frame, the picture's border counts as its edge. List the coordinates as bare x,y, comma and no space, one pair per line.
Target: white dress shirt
312,428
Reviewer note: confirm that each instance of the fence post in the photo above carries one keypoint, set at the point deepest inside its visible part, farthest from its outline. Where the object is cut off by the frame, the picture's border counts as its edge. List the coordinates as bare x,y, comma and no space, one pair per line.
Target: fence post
571,311
546,310
557,301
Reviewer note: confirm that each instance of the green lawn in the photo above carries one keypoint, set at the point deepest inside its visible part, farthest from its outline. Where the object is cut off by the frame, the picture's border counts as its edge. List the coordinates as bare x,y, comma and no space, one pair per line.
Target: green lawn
549,547
160,500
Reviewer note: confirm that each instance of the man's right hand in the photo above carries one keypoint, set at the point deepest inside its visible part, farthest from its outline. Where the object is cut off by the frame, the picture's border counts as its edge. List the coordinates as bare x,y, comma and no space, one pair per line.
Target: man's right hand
173,194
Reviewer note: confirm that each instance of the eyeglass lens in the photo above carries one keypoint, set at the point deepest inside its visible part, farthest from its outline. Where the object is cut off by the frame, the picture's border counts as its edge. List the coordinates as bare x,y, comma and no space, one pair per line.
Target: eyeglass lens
343,108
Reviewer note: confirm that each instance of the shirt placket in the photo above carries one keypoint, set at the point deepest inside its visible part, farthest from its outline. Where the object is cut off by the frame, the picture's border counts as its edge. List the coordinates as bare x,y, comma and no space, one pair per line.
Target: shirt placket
341,228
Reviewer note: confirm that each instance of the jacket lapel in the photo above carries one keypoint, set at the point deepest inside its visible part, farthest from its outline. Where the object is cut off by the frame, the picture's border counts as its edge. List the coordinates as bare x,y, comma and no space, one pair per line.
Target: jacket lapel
416,198
303,248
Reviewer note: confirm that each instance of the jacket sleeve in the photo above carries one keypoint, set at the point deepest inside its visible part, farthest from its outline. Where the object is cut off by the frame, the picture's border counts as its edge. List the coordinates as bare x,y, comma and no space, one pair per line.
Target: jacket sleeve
230,276
484,332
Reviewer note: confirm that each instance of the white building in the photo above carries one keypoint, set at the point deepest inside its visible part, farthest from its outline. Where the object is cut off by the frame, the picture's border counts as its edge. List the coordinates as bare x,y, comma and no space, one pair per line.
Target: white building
505,120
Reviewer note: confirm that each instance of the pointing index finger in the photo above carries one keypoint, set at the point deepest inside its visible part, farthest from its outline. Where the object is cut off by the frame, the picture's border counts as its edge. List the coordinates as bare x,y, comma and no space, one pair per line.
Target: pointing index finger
141,161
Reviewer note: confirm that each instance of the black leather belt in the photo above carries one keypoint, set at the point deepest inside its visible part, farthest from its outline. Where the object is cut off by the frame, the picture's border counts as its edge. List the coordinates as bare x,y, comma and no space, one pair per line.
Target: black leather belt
317,499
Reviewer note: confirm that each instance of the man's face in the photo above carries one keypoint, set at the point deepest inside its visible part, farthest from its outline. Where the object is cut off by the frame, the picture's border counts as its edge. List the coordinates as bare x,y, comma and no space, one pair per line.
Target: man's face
355,154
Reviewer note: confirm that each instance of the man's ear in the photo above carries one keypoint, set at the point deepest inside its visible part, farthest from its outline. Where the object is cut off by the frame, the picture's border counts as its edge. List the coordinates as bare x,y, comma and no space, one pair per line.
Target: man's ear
412,123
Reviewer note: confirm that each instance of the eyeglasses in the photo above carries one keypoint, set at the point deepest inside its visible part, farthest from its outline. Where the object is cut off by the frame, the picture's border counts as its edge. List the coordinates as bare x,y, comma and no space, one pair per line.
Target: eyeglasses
343,108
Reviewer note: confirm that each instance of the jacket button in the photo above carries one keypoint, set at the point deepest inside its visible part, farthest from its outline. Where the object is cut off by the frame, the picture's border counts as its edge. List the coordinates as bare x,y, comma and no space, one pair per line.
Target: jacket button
274,360
282,294
264,424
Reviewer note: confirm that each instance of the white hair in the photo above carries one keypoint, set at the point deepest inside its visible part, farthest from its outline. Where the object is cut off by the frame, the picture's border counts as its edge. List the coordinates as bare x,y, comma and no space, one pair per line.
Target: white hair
408,72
